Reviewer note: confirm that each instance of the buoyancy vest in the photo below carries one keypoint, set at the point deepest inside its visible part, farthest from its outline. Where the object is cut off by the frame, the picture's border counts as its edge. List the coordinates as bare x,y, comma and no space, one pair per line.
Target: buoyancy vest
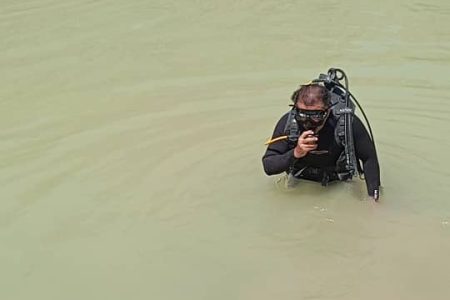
341,117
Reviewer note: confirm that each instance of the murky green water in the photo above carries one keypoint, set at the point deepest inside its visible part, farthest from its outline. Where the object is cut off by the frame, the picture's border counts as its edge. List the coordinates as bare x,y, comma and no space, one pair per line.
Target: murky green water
131,139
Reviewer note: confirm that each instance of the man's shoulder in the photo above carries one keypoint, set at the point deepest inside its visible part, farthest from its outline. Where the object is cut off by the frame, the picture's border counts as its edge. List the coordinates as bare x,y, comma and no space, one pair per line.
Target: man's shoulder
358,124
285,117
281,124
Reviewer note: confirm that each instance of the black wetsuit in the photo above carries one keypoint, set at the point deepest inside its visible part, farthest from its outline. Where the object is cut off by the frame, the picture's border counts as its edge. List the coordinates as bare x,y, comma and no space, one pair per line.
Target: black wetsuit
279,156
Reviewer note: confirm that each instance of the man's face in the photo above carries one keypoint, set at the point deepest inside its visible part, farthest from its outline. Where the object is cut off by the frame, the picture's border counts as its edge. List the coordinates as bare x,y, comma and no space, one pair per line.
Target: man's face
312,117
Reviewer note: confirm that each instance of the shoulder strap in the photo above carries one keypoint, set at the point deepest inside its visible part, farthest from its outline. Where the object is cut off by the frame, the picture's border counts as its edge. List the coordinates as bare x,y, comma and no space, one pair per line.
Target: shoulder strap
291,128
343,110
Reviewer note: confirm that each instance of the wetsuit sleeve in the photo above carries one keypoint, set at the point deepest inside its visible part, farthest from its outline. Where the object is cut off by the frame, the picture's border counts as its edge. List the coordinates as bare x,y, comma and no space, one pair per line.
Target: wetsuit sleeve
278,157
365,151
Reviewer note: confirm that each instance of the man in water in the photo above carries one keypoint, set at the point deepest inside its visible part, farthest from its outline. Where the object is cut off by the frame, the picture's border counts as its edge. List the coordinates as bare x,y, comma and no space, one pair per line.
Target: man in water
316,155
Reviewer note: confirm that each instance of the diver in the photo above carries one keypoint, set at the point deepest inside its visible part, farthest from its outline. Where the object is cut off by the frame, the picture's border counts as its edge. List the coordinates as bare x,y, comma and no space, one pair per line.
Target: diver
321,139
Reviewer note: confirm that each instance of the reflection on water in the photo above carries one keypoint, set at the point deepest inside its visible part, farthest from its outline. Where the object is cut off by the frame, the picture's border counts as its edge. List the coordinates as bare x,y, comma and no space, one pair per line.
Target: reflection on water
131,140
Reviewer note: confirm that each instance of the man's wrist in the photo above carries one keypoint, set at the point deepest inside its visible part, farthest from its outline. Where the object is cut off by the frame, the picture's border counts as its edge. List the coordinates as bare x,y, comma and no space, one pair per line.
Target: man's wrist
375,193
298,153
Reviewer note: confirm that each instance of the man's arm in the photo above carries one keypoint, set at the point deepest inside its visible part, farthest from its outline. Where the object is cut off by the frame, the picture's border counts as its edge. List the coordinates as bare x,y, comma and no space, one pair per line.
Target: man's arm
278,157
365,151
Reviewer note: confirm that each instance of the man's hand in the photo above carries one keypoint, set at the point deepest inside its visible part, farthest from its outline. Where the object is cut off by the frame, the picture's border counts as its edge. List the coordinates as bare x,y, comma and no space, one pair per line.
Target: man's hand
376,195
306,142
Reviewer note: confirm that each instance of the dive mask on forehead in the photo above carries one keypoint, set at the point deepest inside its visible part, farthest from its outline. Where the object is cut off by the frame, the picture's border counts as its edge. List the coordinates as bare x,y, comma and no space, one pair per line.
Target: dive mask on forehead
310,119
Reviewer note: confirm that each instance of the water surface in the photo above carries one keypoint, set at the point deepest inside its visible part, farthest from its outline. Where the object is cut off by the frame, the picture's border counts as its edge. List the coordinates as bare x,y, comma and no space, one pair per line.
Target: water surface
131,136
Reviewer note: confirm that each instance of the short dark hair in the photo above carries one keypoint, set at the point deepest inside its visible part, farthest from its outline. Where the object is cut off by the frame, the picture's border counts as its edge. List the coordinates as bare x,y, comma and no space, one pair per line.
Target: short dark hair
312,94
